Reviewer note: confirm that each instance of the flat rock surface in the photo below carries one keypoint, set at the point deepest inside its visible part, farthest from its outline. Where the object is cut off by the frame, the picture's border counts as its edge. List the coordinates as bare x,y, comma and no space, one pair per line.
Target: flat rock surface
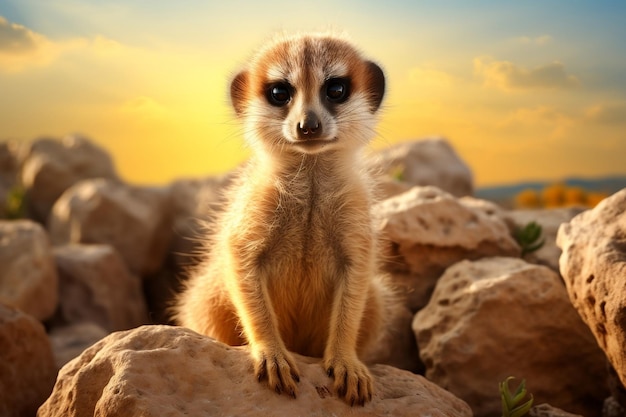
172,371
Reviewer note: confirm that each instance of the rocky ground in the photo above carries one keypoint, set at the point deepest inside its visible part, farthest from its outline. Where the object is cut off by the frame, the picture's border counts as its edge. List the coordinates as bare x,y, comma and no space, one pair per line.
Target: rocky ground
87,271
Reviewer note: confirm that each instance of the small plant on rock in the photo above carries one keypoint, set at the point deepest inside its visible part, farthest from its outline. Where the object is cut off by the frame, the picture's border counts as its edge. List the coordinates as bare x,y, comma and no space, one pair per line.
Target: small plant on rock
397,173
510,402
14,207
528,237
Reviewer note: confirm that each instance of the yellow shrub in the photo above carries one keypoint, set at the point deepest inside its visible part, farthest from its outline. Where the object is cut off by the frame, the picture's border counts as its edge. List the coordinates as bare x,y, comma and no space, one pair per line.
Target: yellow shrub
558,195
593,198
553,195
528,198
574,196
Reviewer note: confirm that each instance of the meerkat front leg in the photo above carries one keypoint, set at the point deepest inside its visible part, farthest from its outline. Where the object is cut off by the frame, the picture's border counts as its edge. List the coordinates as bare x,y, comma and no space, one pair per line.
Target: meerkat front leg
352,378
272,361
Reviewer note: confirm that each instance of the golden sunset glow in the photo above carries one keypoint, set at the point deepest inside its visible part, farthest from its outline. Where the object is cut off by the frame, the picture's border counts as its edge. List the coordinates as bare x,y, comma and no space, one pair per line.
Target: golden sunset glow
521,92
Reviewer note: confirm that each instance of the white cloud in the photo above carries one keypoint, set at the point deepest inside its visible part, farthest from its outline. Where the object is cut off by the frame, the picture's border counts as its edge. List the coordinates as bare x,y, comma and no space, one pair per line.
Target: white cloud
22,48
16,39
539,118
608,113
539,40
507,76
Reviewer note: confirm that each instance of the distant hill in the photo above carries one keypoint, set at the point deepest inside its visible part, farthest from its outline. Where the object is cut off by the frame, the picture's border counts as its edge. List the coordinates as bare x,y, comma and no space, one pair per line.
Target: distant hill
504,193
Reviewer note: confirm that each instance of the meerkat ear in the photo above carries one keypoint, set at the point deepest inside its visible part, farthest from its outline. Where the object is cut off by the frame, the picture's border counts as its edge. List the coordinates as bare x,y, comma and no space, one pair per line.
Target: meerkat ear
238,88
375,82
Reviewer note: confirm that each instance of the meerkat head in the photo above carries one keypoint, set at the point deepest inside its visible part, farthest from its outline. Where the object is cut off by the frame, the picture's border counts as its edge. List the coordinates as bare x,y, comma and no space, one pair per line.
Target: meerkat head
308,94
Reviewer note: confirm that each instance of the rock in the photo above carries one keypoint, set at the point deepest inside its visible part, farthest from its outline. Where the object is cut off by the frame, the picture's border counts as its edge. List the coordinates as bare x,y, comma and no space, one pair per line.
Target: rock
51,166
426,230
425,162
593,265
68,342
27,369
399,348
28,275
546,410
617,400
612,408
387,187
499,317
549,220
96,286
172,371
195,204
136,221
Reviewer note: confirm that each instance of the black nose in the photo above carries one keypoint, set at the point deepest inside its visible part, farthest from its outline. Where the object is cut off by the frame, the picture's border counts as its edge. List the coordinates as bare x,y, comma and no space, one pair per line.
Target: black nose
310,127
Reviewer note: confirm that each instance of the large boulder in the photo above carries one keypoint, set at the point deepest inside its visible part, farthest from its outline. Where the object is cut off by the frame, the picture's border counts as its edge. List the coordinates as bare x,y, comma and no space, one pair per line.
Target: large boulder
593,265
425,230
97,287
172,371
425,162
51,166
136,221
28,275
499,317
27,368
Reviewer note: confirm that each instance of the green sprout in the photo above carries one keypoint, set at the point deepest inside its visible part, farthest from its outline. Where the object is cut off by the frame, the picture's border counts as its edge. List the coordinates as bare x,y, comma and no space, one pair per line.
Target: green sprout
14,206
397,172
510,407
528,237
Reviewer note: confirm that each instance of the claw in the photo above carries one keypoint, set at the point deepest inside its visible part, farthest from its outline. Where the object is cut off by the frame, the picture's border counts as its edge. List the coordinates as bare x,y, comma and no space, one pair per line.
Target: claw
262,371
279,371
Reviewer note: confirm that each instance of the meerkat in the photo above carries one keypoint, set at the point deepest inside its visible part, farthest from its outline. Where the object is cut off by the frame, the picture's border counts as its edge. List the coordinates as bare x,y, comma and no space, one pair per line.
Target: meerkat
292,265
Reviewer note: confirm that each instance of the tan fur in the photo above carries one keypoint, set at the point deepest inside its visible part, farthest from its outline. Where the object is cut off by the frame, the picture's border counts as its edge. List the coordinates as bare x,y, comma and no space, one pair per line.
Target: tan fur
292,264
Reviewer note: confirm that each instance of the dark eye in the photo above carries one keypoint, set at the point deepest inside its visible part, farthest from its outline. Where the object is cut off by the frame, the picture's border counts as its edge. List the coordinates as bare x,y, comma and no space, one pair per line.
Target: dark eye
279,94
337,90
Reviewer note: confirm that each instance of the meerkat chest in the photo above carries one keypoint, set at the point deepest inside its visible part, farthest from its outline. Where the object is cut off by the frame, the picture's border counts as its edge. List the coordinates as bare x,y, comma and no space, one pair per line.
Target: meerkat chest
302,226
310,227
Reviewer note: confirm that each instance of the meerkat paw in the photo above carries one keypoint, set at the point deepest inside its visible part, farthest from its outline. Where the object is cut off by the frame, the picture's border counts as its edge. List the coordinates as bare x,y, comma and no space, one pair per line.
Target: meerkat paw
353,381
279,369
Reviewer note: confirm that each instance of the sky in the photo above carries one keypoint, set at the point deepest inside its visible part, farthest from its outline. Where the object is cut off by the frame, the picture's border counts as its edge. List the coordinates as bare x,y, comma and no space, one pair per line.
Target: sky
525,90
